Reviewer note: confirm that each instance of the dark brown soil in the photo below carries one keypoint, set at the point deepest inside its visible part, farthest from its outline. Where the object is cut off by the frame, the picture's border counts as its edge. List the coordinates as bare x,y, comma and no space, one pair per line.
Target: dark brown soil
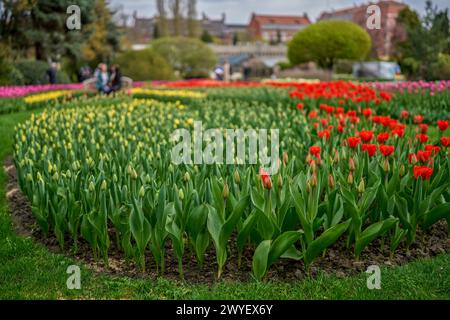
337,259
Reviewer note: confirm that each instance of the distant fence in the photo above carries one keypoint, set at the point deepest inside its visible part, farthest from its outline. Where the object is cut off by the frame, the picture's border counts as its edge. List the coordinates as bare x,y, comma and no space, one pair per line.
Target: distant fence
257,50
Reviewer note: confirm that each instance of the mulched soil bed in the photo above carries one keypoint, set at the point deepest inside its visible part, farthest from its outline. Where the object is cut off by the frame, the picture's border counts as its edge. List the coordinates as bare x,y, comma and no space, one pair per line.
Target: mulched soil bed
337,259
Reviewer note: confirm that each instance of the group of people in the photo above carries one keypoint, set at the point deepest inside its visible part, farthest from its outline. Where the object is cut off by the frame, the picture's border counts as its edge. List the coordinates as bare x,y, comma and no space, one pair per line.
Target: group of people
108,81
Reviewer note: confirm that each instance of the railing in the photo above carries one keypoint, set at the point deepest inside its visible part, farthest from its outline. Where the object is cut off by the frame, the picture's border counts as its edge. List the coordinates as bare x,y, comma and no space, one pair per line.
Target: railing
258,50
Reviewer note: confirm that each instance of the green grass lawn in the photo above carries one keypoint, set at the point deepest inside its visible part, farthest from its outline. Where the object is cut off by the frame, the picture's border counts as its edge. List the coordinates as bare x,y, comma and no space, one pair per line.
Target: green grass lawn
29,271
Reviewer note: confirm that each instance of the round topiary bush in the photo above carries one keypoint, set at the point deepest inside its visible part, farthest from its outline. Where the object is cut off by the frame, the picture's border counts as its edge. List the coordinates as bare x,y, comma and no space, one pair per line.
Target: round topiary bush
327,41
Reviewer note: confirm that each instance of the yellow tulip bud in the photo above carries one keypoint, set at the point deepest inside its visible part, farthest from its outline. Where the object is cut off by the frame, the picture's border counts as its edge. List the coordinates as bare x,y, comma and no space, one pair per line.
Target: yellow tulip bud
237,177
142,192
361,186
226,191
350,178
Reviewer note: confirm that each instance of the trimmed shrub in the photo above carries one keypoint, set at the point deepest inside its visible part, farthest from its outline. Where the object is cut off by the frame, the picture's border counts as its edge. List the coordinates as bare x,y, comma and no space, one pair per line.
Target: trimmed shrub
326,42
191,58
144,65
34,72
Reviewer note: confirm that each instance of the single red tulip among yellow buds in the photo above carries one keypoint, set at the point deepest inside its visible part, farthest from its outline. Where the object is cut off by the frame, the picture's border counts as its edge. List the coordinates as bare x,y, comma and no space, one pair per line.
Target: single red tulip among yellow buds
265,178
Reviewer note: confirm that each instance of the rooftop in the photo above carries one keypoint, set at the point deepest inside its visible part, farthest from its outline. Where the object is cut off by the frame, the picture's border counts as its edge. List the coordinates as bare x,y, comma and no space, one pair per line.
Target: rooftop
279,19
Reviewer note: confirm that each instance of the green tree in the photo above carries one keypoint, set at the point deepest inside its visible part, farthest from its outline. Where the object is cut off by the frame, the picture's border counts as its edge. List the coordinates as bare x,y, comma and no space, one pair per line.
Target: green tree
408,18
327,41
426,42
45,28
13,23
104,36
189,57
206,37
144,65
156,34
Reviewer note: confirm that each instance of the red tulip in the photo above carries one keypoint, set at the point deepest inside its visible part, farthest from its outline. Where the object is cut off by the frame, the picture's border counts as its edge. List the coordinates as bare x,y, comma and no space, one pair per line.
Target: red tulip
399,131
404,114
445,141
315,151
354,120
418,119
312,114
353,142
434,149
324,133
324,122
423,172
382,137
265,178
371,149
412,158
423,156
300,106
423,128
422,137
442,124
366,135
340,128
367,112
387,150
351,113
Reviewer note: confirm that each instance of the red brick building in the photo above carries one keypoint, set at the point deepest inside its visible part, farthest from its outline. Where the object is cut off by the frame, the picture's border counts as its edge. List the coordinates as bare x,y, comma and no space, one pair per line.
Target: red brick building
383,39
275,28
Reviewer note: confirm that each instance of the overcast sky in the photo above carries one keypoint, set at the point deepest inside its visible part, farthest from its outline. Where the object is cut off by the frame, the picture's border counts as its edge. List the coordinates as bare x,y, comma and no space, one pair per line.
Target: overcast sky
239,11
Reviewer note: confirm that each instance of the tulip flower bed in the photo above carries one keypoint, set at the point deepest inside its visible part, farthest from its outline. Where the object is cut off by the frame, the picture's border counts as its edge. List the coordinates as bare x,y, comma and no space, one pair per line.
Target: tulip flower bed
21,91
60,97
99,171
39,100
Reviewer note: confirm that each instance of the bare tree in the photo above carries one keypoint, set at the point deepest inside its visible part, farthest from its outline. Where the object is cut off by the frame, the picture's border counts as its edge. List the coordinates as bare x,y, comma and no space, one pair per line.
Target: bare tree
162,18
177,16
192,23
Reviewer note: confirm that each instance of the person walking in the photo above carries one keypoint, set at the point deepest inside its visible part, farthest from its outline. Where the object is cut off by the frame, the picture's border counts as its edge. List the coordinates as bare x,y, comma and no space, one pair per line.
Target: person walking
218,72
